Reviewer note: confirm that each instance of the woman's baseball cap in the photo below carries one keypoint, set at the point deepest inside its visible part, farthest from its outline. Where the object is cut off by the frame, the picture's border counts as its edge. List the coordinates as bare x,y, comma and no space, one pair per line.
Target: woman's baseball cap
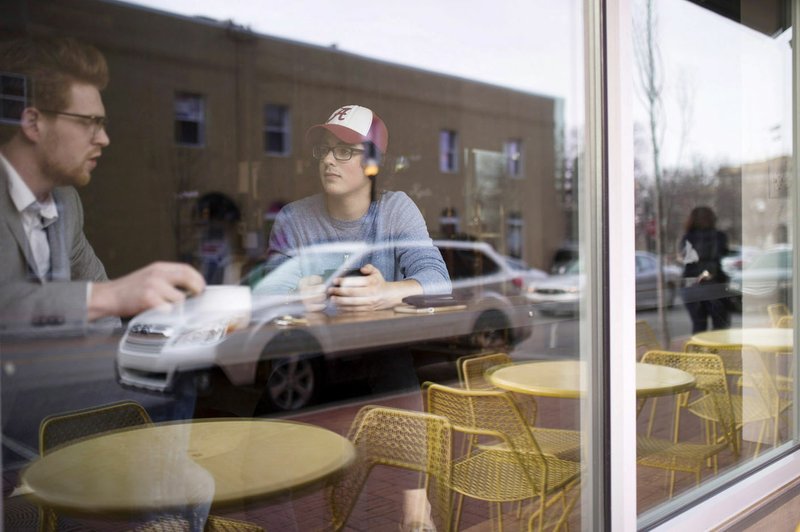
353,124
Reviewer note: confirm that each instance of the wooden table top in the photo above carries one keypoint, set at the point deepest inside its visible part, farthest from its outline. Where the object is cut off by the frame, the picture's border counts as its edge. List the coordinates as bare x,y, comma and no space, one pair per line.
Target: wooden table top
765,338
172,465
562,378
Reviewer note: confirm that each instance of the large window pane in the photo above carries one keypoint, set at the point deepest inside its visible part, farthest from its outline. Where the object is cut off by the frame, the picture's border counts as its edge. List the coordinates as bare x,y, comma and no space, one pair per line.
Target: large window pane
425,231
713,133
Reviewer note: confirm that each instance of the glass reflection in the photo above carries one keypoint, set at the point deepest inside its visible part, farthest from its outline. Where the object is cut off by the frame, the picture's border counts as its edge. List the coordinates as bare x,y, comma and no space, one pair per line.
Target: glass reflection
713,141
210,167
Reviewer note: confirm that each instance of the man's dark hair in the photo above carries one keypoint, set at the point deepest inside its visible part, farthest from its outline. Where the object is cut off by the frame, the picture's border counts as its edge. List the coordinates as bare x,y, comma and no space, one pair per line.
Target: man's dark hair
51,65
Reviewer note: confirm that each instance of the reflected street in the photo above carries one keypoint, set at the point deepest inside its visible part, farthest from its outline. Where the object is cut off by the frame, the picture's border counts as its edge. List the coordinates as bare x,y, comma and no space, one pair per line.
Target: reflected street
38,380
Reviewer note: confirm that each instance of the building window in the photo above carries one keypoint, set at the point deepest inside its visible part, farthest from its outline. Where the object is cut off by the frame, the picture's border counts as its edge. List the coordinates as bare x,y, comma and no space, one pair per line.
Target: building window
512,149
448,151
13,95
277,132
514,239
190,118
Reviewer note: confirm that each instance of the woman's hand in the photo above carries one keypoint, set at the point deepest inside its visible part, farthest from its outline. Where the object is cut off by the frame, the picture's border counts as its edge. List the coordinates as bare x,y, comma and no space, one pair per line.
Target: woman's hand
370,291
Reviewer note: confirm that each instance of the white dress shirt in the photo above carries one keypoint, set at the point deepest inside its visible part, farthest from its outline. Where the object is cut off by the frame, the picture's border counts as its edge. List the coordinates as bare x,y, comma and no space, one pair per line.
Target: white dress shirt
36,217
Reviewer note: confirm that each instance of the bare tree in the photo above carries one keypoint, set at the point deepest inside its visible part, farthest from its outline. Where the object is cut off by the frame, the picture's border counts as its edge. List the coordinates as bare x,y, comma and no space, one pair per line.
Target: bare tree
651,88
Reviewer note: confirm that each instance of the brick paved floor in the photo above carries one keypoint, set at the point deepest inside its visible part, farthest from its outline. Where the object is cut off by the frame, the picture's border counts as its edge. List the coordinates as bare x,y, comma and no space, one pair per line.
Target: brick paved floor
380,506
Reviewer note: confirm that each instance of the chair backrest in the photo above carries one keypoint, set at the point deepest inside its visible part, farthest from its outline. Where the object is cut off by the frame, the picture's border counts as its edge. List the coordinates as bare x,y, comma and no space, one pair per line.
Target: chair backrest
755,375
731,355
776,311
473,369
646,339
60,429
404,439
486,413
708,370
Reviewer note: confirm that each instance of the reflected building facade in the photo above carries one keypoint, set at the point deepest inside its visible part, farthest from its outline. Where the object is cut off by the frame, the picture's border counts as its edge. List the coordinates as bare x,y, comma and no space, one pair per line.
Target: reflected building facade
200,107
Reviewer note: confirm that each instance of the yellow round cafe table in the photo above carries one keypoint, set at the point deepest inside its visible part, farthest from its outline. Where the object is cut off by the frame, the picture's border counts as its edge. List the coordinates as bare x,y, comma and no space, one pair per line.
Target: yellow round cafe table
765,338
173,465
562,378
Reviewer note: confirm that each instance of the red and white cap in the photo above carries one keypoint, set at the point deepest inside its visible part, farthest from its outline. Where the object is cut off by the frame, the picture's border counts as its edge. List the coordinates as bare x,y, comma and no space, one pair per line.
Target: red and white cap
353,124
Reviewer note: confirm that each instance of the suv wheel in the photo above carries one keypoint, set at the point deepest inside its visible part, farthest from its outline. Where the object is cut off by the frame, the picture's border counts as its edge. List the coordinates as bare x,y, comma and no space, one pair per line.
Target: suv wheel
491,331
291,384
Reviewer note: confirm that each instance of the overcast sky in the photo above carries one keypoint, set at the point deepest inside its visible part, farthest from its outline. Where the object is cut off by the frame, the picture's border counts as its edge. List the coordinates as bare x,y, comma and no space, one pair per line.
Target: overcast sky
736,81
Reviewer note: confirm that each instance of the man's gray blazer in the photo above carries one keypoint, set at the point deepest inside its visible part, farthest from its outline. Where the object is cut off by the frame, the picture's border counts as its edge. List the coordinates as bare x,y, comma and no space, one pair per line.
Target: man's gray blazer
26,301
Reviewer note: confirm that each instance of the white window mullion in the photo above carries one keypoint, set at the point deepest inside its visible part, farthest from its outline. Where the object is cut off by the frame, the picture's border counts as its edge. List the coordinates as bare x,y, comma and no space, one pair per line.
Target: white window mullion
621,358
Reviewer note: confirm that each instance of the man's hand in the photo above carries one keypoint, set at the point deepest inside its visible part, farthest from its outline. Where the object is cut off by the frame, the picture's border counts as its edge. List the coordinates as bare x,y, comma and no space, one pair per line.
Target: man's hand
160,283
370,291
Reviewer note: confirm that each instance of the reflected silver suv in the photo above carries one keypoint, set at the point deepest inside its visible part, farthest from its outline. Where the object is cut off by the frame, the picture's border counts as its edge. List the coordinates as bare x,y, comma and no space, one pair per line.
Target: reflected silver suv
259,338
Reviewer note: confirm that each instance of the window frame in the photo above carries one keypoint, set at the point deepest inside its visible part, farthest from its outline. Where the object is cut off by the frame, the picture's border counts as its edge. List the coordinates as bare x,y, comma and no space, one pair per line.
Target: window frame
201,121
515,159
284,129
738,491
8,97
448,151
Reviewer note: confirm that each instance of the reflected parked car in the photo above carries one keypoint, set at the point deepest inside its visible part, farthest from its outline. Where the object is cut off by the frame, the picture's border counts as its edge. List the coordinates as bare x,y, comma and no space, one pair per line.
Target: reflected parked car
737,258
260,339
561,294
766,279
563,258
526,274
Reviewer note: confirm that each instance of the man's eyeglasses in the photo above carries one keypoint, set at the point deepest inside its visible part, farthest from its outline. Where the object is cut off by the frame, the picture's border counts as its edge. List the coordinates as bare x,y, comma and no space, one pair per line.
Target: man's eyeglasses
95,122
340,153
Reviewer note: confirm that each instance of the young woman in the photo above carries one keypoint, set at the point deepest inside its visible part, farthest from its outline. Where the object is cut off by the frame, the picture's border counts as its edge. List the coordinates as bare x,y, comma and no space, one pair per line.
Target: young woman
705,283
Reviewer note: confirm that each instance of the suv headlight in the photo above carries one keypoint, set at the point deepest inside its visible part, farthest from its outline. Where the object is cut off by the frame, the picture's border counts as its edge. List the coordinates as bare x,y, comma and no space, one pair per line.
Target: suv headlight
203,335
207,334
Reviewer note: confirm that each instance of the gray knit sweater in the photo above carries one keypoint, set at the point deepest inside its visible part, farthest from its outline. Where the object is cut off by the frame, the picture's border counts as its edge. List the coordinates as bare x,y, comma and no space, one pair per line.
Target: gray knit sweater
393,217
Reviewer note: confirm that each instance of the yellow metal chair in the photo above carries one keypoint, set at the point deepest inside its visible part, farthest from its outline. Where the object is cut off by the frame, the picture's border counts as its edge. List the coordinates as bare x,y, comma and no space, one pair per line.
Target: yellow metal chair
512,467
777,311
415,441
714,402
557,442
731,411
684,456
687,457
765,404
213,523
646,340
472,369
731,355
62,429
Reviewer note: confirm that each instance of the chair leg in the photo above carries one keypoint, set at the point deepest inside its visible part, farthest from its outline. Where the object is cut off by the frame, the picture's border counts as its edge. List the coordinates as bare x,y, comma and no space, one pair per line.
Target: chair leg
564,519
496,509
775,429
761,434
651,420
48,520
671,483
538,516
676,417
459,507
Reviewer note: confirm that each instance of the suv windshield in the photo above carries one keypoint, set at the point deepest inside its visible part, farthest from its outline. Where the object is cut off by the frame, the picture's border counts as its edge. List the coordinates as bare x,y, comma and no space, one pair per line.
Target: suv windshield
282,278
